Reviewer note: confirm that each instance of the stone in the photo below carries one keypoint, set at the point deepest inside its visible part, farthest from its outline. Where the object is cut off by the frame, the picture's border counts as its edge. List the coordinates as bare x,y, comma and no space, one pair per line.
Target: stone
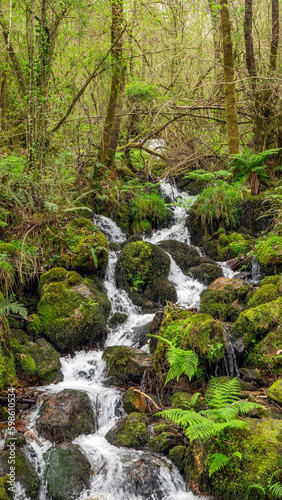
130,432
275,391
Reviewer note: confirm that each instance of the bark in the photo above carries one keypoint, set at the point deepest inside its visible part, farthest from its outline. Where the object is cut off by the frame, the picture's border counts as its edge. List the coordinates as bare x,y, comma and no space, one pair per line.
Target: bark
2,97
275,35
12,55
249,45
104,156
229,81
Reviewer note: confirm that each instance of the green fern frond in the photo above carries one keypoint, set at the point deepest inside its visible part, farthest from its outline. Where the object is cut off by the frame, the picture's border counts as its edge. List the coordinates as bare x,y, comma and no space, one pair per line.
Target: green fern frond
7,307
237,454
276,489
208,429
217,462
255,487
245,407
183,418
220,394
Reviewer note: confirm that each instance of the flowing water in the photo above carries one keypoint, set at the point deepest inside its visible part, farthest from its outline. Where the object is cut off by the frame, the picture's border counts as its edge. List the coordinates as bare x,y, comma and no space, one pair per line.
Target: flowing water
119,473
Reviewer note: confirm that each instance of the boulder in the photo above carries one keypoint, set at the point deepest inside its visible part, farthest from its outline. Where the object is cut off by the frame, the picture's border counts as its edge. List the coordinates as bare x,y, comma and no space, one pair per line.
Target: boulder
275,391
139,265
117,319
185,256
67,471
25,474
133,402
206,273
267,353
160,292
126,363
130,432
73,311
221,283
65,416
164,441
224,302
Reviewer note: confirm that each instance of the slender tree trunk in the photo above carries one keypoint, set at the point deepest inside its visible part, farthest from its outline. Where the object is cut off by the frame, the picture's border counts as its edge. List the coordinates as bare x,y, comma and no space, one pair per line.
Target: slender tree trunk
104,156
229,80
249,45
275,35
2,97
12,55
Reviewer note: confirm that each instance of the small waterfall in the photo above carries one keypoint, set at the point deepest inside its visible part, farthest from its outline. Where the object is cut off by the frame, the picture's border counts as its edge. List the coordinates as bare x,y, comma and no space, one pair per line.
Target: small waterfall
257,272
231,361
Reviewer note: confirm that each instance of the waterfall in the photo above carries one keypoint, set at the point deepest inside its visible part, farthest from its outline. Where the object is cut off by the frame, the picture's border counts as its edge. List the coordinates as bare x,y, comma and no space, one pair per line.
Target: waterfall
116,471
257,272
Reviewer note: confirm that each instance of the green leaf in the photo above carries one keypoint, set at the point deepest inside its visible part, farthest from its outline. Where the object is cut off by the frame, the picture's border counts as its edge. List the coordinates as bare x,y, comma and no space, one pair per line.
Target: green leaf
217,462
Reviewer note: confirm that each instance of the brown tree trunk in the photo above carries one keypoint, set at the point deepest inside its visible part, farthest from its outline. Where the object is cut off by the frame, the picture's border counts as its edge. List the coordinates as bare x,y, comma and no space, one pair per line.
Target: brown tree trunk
229,81
249,45
2,97
275,35
104,156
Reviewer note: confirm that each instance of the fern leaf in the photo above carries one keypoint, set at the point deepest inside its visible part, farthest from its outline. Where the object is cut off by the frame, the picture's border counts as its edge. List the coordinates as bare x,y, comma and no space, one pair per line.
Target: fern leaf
245,407
237,454
276,489
51,207
217,462
75,209
7,307
255,487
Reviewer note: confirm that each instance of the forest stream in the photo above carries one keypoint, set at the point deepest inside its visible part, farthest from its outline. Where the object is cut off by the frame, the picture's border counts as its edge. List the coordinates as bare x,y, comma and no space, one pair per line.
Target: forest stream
120,473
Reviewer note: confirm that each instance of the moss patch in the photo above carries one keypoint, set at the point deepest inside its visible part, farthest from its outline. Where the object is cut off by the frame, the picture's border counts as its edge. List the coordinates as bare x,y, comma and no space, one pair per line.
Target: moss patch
130,432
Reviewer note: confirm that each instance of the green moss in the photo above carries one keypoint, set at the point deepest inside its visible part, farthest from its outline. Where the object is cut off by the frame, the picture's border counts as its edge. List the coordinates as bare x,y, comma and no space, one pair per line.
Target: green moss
268,252
26,363
119,363
34,326
271,280
222,304
254,323
266,293
71,316
275,392
233,245
4,488
8,376
263,354
177,456
26,474
130,432
148,211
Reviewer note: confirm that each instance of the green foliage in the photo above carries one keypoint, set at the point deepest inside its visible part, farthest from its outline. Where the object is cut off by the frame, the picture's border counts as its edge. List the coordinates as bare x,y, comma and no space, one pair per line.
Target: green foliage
268,252
217,461
204,176
141,91
12,308
247,162
148,210
219,205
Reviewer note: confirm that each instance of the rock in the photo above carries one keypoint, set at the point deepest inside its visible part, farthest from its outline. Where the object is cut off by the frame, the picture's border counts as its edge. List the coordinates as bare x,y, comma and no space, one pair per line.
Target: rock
221,283
67,471
160,292
255,323
82,240
139,335
65,416
155,328
164,441
254,215
134,402
115,247
275,391
130,432
126,363
250,375
206,273
181,400
224,303
268,253
177,456
185,256
38,360
73,311
233,245
25,474
266,353
117,319
139,264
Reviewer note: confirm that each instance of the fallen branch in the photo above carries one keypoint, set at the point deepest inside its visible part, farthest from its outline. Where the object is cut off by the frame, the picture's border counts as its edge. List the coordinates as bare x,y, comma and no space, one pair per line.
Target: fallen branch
148,397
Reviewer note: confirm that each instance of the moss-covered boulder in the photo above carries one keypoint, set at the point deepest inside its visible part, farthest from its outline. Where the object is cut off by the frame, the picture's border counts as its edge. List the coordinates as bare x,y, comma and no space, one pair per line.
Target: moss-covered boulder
225,302
8,376
67,471
159,292
185,256
133,401
233,245
36,360
73,311
253,324
65,416
131,431
139,265
126,363
206,273
267,353
24,470
117,319
78,244
268,252
275,391
268,291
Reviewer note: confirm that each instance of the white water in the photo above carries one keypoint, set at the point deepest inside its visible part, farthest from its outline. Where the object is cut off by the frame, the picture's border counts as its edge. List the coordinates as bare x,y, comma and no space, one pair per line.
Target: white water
117,471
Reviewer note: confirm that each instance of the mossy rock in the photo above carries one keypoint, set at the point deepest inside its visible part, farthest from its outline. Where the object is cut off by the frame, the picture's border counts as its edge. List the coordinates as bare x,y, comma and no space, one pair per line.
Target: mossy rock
181,400
226,303
265,293
275,391
139,264
177,456
73,311
81,245
8,376
255,323
24,471
164,441
117,319
206,273
65,416
130,432
67,471
34,326
268,252
160,292
133,402
267,354
185,256
233,245
126,363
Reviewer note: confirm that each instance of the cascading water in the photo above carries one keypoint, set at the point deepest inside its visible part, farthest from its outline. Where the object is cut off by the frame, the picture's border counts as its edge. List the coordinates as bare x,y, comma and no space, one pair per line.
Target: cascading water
119,473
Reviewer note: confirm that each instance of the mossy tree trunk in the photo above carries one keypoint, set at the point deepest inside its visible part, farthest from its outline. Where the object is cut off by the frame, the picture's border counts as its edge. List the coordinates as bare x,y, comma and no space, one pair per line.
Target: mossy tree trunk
229,80
112,123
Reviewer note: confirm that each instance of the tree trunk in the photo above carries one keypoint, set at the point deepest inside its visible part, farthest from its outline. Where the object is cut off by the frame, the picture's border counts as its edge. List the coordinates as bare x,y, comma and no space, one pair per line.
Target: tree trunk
249,45
229,81
104,156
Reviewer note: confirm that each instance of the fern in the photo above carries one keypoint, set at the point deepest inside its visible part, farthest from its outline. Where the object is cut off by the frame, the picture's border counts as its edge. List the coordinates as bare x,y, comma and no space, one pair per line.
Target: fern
217,462
257,488
276,489
7,308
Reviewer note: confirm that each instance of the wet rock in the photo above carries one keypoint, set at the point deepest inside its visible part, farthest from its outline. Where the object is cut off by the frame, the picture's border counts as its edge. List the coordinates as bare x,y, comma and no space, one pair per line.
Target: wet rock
185,256
221,283
160,292
117,319
224,303
115,247
139,265
25,474
275,391
134,402
250,375
130,432
73,311
67,471
126,363
139,335
206,273
177,456
164,441
65,416
266,353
